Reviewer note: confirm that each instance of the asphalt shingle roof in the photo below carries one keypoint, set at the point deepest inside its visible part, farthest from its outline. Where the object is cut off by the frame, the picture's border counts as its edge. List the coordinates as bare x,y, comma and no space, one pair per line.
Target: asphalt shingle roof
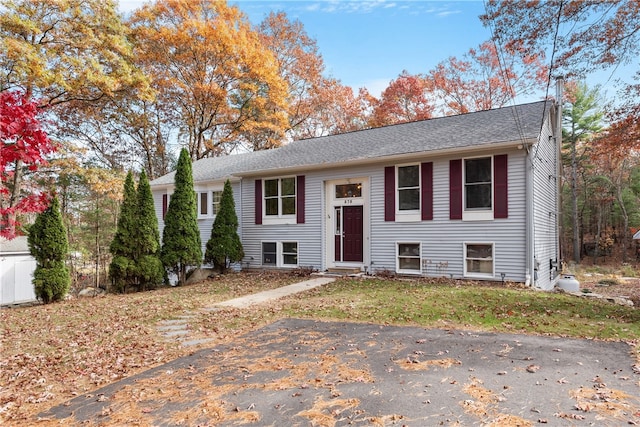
501,125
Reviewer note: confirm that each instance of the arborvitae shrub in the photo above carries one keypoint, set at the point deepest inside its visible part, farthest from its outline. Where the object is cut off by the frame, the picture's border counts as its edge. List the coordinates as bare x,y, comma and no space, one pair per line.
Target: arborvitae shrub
49,246
181,245
224,246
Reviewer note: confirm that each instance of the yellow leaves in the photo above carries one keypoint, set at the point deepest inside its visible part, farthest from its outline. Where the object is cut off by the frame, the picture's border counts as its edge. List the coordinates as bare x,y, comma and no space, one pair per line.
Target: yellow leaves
66,49
205,58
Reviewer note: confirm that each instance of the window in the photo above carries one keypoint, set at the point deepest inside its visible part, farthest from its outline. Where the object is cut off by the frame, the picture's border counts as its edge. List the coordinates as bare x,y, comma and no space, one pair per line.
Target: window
344,191
203,209
216,197
408,259
478,188
280,254
290,253
409,188
477,184
208,203
408,192
268,253
280,197
478,259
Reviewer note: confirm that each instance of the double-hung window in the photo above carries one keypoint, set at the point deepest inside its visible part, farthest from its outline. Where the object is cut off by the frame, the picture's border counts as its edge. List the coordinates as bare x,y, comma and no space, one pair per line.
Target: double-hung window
408,193
478,188
479,260
408,258
280,197
208,203
409,188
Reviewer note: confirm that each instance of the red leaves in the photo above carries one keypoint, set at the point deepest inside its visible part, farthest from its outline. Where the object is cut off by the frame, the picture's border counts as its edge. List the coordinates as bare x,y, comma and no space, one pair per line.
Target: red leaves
23,143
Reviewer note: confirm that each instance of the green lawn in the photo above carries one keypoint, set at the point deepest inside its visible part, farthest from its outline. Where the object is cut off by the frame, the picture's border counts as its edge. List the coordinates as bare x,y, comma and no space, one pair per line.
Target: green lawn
461,305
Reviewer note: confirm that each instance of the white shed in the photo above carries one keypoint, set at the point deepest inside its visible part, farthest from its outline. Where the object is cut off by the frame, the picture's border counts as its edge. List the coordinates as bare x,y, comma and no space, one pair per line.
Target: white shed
16,272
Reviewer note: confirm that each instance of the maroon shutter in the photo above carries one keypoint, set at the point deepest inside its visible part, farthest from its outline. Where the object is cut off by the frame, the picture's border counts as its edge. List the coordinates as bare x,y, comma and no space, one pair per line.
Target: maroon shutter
455,189
500,187
390,193
426,187
165,203
300,199
258,201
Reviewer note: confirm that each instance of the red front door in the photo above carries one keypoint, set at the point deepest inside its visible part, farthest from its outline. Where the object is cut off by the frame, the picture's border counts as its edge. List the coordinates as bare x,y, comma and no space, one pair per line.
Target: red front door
352,230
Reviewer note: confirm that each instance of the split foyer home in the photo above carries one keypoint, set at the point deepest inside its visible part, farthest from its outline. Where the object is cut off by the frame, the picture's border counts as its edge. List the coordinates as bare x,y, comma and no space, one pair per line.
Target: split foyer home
469,196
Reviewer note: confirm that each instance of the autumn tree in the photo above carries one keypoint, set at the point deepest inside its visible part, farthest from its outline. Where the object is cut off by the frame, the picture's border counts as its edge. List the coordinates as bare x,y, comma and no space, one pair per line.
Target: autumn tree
24,146
57,52
584,35
48,245
64,50
406,99
207,63
316,105
181,244
483,79
582,120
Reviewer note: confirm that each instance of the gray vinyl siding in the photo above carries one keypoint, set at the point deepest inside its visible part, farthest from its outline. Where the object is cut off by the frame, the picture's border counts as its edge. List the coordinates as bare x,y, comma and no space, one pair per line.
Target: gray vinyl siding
308,235
545,210
204,223
441,239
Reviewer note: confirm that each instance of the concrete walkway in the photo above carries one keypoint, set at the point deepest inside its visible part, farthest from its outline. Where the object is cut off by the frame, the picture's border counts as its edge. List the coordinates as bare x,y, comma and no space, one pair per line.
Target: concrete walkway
178,329
265,296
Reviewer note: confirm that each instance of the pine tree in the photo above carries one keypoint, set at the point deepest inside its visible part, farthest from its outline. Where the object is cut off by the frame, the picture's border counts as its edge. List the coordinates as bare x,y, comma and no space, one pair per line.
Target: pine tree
149,269
123,247
224,246
181,245
49,246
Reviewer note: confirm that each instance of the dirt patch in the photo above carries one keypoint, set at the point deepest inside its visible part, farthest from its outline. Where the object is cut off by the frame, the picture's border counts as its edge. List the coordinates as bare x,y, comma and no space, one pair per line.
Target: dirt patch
627,287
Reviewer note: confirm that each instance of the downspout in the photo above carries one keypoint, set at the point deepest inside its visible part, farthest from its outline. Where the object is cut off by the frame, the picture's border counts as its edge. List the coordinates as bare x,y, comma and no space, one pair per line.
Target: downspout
558,139
529,218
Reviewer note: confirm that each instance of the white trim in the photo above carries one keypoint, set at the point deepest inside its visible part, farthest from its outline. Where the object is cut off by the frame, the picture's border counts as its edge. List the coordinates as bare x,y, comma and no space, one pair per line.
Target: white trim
209,191
477,214
329,226
279,254
408,215
493,261
418,257
280,218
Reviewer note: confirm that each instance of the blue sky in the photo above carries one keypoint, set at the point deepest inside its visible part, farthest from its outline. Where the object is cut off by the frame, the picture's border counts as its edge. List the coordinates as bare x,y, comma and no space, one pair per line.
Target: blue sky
368,43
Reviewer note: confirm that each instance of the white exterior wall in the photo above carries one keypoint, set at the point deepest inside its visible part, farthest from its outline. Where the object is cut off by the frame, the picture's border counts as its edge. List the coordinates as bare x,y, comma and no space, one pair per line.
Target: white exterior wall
545,209
16,278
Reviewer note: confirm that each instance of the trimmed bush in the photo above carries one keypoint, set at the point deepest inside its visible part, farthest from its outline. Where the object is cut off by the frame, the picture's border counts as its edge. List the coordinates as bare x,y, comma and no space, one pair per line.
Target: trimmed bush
224,246
48,244
181,245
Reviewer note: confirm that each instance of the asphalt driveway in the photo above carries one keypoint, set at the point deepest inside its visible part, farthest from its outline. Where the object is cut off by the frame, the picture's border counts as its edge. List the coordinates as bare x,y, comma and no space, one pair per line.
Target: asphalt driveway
308,373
